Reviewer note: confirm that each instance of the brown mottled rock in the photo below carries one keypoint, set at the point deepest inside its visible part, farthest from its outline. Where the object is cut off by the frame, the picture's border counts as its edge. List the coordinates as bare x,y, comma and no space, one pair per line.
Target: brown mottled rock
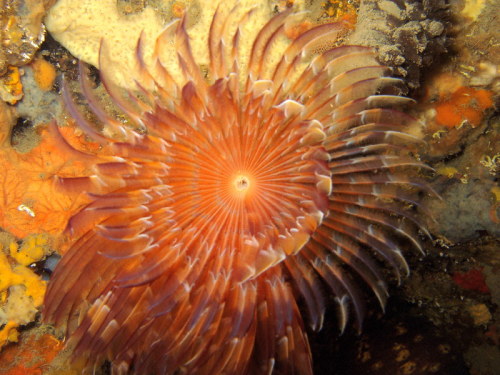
21,30
7,121
409,35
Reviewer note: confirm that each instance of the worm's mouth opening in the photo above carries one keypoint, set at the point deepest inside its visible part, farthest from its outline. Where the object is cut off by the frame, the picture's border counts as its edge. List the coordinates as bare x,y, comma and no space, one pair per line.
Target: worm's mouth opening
242,183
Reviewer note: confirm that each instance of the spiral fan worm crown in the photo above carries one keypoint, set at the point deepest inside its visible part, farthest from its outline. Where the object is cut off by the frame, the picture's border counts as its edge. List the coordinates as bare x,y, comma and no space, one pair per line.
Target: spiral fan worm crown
230,199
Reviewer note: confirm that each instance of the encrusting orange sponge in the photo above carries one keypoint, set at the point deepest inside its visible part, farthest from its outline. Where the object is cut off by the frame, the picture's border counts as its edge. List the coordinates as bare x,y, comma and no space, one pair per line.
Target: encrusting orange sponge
45,73
464,104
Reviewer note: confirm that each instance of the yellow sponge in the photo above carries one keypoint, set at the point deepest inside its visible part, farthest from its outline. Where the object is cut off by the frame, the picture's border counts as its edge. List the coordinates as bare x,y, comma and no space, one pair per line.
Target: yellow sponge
33,249
21,290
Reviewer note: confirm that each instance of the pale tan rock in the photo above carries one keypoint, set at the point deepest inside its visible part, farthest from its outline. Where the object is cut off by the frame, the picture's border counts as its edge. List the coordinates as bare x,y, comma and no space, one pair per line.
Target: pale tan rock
80,25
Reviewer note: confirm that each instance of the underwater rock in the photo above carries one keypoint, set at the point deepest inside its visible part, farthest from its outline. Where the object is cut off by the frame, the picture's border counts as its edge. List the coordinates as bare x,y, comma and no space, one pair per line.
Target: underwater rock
409,35
80,26
39,104
94,20
7,121
461,218
21,30
400,344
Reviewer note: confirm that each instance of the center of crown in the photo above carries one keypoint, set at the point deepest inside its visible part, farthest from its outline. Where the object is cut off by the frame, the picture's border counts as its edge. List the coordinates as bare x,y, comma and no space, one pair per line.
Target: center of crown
241,183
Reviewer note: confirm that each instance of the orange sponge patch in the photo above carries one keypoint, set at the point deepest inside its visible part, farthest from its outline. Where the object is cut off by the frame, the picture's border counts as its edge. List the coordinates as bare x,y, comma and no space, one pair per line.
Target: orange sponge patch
45,74
465,104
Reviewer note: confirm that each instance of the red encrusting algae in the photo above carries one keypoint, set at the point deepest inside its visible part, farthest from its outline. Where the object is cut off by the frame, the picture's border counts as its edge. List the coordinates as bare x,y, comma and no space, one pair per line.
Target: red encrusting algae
472,280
